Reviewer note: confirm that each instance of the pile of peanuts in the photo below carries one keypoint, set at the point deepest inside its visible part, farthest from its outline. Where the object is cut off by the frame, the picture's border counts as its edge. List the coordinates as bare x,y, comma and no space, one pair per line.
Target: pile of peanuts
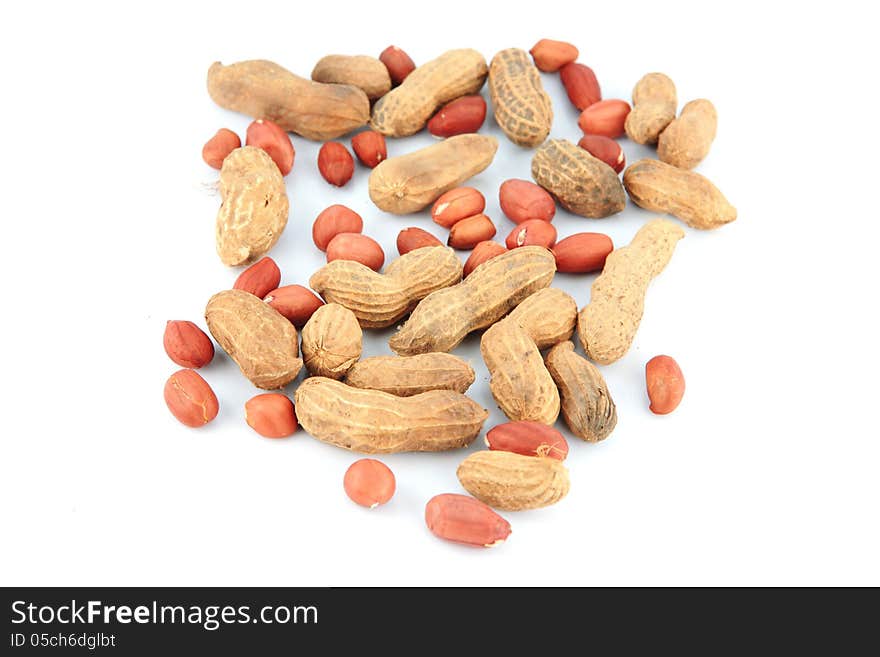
415,400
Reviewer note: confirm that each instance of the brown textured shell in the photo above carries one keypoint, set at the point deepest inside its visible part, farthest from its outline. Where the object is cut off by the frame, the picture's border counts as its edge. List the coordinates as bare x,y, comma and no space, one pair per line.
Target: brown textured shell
580,182
686,141
443,318
513,482
360,71
254,206
411,182
608,324
332,341
406,109
654,104
379,300
374,422
264,90
661,187
520,383
256,336
587,406
522,108
406,376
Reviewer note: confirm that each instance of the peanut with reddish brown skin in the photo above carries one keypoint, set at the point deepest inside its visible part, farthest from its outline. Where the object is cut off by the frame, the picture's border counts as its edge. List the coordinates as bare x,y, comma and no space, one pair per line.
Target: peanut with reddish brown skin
605,118
254,206
581,183
261,341
272,139
260,278
528,438
654,104
462,115
520,383
587,406
190,398
406,376
550,55
457,204
264,90
686,141
469,232
271,415
661,187
335,163
405,110
332,341
513,482
295,302
373,422
608,324
582,252
332,221
369,482
380,300
605,149
534,232
409,183
187,345
219,146
412,238
522,200
665,384
370,148
356,247
523,109
482,252
361,71
462,519
443,318
398,63
580,84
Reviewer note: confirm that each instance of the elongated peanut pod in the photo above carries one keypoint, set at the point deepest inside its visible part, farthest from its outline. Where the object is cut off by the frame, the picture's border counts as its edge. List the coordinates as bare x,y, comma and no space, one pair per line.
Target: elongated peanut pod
587,406
513,482
405,376
380,300
406,109
522,108
686,141
520,383
443,318
411,182
654,104
366,73
265,90
608,324
372,422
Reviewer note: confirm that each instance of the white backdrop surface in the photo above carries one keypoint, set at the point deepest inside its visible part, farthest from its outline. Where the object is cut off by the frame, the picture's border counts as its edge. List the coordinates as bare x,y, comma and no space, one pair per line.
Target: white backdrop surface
766,474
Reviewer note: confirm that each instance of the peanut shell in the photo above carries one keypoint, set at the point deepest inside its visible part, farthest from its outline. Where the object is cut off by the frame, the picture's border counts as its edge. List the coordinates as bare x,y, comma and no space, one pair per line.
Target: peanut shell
331,341
513,482
406,376
522,108
361,71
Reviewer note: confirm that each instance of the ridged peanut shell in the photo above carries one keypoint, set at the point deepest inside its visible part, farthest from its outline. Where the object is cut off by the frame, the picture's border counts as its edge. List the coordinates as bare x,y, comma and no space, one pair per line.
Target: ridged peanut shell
406,376
361,71
265,90
549,316
691,197
608,323
406,109
380,300
375,422
686,141
256,336
443,318
408,183
587,406
254,207
654,104
580,182
522,108
513,482
332,341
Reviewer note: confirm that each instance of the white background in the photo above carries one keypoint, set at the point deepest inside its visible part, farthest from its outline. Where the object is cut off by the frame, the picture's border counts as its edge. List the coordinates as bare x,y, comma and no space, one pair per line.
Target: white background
766,474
